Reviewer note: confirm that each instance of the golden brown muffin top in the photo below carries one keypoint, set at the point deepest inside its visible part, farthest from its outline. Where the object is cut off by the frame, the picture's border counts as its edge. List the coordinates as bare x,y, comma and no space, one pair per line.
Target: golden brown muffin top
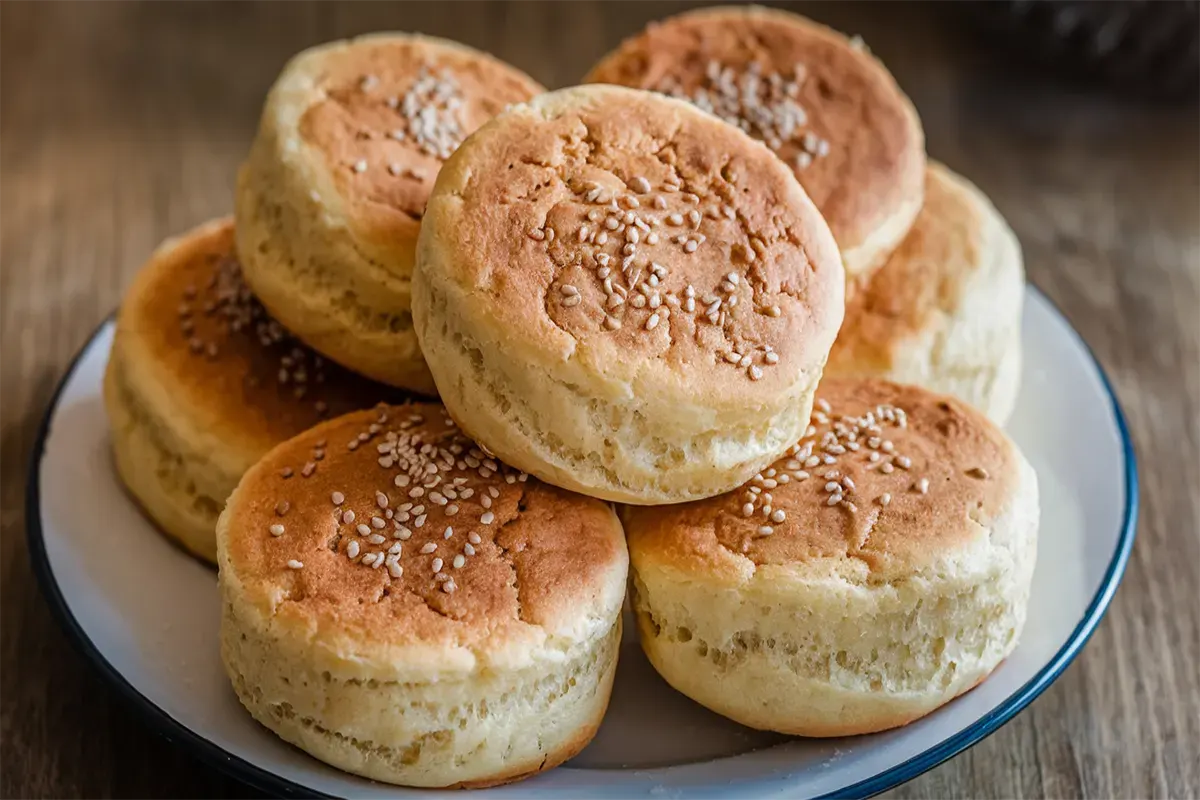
828,108
191,321
640,236
957,235
391,526
889,476
382,112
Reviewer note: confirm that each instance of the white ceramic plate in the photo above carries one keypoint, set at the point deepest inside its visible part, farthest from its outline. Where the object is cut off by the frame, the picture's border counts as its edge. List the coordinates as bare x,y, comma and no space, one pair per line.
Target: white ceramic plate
146,614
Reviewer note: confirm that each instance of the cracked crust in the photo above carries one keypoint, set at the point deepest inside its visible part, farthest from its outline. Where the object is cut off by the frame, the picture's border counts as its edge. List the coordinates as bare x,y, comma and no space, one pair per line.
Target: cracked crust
530,318
327,247
189,421
869,185
841,621
944,312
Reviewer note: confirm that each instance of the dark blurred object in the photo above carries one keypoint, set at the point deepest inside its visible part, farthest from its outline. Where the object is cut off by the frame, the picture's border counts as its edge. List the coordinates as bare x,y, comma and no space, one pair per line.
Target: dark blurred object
1146,47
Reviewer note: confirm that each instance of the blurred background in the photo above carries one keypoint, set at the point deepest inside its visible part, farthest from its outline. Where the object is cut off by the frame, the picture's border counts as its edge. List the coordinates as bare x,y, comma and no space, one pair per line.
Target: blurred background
122,123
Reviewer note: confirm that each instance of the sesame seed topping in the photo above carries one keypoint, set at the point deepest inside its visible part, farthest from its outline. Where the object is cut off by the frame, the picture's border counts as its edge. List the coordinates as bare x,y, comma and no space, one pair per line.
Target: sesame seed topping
978,472
294,564
459,561
884,499
765,530
276,529
428,547
923,486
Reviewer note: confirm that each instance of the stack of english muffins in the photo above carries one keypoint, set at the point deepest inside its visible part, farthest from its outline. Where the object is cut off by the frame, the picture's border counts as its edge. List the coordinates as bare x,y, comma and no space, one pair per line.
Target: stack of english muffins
707,332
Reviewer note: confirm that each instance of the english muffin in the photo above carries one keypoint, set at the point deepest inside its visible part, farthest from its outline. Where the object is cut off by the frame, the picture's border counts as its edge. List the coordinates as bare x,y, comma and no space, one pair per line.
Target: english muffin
625,296
202,381
877,571
330,200
413,611
944,312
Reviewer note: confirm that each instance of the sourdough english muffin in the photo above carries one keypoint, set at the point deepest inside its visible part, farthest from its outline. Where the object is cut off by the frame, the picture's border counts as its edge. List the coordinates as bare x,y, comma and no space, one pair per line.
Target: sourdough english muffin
826,107
945,311
874,573
411,610
330,200
625,296
201,382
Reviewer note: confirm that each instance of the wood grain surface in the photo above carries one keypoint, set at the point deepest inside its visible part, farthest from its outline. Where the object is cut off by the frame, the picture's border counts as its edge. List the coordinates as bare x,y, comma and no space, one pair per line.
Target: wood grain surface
124,123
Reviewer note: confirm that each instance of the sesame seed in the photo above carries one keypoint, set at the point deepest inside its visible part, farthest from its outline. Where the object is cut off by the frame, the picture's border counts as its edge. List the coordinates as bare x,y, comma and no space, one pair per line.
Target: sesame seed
748,509
459,561
905,462
474,538
834,499
352,549
923,486
276,529
362,529
360,166
446,534
978,472
886,468
537,234
428,547
394,569
449,586
376,538
282,507
765,530
436,564
294,564
884,499
755,372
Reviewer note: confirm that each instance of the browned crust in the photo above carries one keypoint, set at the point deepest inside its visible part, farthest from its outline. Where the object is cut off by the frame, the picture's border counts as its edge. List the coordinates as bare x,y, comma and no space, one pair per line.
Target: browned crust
533,169
206,358
947,442
874,169
546,557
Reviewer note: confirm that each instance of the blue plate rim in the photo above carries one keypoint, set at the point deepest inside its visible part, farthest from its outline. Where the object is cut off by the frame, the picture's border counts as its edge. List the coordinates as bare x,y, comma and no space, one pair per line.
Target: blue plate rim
175,731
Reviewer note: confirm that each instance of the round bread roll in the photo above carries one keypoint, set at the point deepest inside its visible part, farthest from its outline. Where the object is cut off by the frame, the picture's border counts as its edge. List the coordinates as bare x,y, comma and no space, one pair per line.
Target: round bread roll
330,200
201,382
625,296
824,104
414,612
945,311
879,570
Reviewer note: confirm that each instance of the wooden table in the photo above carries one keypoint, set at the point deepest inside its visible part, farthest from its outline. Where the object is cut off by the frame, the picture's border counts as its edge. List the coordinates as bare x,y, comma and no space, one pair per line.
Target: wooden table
124,123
